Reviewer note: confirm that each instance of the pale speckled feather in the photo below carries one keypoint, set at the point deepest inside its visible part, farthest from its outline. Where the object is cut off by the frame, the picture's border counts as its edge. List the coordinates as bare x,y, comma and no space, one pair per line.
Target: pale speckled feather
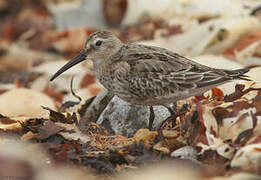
152,76
148,75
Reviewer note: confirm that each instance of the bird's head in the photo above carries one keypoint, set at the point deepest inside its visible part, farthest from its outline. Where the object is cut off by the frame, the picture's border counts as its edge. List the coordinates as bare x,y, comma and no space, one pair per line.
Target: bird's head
98,47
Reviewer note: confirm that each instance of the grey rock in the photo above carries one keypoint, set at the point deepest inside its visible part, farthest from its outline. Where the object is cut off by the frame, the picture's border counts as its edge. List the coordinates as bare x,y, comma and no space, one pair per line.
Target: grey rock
121,117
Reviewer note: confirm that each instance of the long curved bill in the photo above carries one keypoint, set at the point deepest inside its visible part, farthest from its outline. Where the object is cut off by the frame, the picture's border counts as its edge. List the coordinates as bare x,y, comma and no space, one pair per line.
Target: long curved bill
77,59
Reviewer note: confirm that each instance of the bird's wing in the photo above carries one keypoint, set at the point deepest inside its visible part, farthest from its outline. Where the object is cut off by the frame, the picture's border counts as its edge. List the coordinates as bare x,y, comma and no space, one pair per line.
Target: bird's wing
158,72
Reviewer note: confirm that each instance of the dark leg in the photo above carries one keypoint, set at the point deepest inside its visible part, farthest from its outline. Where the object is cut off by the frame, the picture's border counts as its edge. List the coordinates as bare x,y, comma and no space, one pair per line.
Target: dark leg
184,109
173,113
152,117
172,110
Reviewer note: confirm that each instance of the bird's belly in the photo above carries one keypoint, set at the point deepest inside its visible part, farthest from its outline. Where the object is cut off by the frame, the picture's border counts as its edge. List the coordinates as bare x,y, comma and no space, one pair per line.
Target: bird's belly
138,99
161,100
156,100
165,100
124,93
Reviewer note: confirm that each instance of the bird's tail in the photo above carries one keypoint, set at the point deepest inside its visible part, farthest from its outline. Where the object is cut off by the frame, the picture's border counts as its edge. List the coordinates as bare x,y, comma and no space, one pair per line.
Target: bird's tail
238,74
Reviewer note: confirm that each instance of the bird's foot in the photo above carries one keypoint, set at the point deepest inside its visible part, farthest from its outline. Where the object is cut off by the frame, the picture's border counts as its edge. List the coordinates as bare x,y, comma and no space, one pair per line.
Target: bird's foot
172,118
174,113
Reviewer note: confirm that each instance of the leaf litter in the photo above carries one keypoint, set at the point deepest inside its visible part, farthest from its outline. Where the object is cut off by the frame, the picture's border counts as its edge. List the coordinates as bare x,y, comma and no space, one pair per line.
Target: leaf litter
223,129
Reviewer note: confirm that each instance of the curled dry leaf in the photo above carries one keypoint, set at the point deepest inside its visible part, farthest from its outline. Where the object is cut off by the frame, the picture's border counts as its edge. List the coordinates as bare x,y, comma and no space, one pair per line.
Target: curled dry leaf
25,103
48,129
248,156
221,123
69,40
72,132
246,46
60,117
6,120
218,94
239,92
227,126
209,138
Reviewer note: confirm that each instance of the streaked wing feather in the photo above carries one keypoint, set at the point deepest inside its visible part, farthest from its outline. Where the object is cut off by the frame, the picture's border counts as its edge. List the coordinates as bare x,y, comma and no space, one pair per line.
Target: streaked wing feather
158,72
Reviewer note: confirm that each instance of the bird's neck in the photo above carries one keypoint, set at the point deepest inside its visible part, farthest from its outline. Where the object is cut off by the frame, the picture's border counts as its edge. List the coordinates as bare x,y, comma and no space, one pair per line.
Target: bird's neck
97,63
100,67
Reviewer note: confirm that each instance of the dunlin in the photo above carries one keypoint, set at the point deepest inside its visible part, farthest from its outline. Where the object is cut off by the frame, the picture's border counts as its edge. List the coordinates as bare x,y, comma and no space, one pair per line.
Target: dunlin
147,75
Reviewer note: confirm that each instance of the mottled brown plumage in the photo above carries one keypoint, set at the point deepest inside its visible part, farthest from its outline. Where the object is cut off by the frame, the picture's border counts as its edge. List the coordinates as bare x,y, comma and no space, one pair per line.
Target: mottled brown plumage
147,75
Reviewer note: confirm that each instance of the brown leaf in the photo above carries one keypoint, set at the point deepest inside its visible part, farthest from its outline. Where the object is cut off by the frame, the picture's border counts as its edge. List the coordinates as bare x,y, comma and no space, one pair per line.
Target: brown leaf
114,10
201,137
218,94
58,96
244,136
257,149
69,41
48,129
254,119
220,113
56,116
87,80
257,102
60,151
243,43
236,95
199,98
6,120
239,92
174,30
238,106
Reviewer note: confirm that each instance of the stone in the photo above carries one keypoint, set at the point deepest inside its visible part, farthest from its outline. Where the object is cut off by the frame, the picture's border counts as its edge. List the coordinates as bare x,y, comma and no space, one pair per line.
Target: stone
120,117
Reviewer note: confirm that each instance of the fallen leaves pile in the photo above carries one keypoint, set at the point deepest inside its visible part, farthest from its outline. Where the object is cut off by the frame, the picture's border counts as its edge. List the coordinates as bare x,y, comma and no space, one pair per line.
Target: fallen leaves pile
44,133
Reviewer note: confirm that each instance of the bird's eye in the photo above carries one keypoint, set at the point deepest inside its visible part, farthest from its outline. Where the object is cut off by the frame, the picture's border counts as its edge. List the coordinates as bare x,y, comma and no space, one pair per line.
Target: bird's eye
98,43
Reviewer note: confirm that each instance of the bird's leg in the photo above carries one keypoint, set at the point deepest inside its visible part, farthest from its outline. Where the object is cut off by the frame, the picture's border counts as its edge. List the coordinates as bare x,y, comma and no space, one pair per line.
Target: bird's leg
172,110
184,109
173,113
152,117
173,117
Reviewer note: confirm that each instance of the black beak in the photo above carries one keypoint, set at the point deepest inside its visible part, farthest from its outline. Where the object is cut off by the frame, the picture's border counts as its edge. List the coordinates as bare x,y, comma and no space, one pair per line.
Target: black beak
77,59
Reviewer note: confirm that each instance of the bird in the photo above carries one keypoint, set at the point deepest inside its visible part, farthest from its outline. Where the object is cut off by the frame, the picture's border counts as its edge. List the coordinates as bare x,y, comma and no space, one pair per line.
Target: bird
147,75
